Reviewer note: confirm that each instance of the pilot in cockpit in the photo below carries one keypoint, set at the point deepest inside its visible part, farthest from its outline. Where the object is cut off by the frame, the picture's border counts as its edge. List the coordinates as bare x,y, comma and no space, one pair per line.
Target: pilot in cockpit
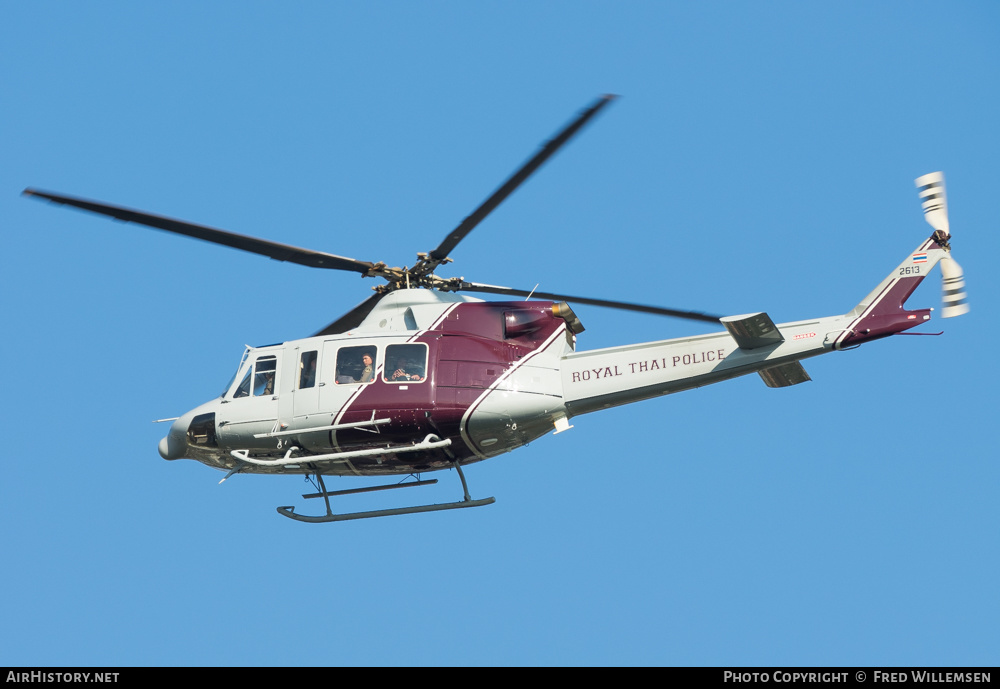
264,384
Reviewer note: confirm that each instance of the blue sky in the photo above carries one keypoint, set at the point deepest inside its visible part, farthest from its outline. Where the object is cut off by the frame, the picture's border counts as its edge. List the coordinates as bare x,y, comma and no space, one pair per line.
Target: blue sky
761,157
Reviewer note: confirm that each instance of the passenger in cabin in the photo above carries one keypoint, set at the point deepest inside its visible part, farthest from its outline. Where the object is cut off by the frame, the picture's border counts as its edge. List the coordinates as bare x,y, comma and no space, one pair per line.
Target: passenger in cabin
368,374
407,371
355,365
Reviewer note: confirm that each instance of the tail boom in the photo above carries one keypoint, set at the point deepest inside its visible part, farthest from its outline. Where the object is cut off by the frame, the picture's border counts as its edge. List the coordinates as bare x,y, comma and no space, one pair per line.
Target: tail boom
603,378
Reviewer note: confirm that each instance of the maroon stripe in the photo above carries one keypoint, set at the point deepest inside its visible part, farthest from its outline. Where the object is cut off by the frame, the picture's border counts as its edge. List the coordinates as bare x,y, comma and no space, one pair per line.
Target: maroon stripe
467,354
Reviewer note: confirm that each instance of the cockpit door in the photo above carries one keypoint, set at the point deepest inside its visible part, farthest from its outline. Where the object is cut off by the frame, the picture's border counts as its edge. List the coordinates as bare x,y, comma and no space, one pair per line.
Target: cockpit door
252,406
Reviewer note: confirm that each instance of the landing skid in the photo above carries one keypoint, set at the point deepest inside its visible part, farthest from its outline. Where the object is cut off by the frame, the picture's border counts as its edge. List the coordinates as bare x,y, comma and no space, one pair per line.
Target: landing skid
287,510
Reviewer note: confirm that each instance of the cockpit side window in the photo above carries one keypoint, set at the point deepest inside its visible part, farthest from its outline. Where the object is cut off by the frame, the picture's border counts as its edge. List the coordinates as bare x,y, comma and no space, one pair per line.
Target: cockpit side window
356,364
262,377
307,370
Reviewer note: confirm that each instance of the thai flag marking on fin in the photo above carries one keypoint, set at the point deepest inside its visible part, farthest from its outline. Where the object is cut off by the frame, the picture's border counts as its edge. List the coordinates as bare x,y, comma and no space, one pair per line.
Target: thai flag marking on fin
920,258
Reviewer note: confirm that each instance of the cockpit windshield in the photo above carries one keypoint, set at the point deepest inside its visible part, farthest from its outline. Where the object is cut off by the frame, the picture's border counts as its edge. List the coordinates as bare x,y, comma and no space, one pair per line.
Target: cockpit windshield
229,384
236,372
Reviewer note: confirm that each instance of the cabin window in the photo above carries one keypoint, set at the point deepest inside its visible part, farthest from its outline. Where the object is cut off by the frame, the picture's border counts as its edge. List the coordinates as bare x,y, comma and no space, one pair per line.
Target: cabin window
405,363
262,375
356,365
307,370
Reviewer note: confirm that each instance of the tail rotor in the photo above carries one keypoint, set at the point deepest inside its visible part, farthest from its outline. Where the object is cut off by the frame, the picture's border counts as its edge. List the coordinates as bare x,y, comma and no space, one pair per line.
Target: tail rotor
934,201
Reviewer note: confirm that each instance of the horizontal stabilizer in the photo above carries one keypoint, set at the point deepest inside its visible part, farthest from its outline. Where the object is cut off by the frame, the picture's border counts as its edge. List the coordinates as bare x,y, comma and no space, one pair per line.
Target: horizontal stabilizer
753,330
784,375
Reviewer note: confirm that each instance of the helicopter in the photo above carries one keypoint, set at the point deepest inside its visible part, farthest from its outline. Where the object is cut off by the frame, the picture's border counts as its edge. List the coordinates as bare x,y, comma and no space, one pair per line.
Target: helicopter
420,378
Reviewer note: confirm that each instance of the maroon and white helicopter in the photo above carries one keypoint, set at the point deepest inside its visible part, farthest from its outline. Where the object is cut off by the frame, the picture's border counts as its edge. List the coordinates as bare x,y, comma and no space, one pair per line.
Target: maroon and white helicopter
419,378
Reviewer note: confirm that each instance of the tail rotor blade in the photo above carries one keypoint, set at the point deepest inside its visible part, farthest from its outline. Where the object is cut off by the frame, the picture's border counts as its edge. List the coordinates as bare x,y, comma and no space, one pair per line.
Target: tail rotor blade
953,296
934,201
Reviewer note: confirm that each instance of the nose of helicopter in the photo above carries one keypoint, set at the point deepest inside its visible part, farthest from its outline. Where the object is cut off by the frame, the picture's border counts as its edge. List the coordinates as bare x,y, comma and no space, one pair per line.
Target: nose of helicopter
174,445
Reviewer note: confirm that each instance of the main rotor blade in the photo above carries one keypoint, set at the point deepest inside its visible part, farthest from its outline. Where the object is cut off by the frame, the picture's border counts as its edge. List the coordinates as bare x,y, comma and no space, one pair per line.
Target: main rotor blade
352,318
625,306
279,252
505,190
